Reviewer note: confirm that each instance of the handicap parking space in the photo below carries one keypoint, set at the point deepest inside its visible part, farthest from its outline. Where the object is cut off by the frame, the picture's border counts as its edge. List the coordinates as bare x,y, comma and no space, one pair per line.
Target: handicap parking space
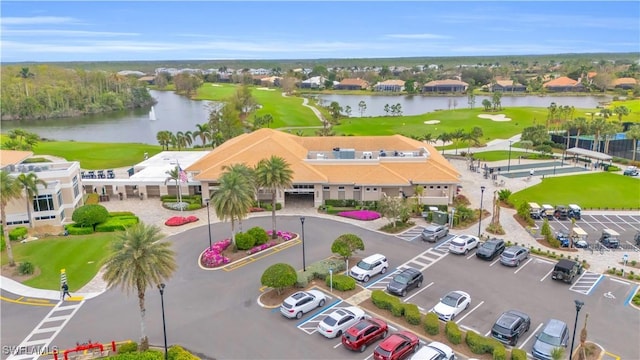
586,283
612,291
411,234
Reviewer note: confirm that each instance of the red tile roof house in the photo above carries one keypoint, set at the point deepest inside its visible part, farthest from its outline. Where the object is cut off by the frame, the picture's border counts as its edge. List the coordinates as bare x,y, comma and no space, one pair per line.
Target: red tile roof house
390,86
445,86
625,83
563,84
352,84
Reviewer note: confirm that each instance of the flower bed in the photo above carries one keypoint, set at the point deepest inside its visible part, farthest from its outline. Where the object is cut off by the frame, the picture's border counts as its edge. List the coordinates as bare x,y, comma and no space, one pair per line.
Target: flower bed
285,235
180,220
365,215
259,248
212,257
222,253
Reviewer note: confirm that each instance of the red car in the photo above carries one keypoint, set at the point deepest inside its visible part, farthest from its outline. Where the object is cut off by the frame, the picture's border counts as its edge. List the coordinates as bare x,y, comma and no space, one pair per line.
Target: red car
364,333
397,346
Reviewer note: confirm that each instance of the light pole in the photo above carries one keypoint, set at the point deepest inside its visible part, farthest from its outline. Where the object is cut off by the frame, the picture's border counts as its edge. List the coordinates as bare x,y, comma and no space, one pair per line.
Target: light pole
208,202
481,198
579,305
304,264
164,325
509,163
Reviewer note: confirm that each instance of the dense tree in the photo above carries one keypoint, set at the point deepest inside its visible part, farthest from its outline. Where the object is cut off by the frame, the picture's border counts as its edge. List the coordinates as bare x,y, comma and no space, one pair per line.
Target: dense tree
634,134
444,137
410,87
279,276
581,126
90,215
29,183
274,174
346,245
486,103
186,83
10,189
536,134
496,100
597,126
610,130
394,208
621,111
335,110
140,261
164,138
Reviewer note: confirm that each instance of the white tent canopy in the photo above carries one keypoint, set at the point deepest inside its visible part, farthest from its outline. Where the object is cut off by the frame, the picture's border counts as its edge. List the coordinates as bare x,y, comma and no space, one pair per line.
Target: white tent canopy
590,154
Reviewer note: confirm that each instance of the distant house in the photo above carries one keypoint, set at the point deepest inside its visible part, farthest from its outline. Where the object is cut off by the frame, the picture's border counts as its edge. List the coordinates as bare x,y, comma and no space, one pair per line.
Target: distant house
352,84
390,86
449,85
270,81
507,86
148,79
563,84
316,82
625,83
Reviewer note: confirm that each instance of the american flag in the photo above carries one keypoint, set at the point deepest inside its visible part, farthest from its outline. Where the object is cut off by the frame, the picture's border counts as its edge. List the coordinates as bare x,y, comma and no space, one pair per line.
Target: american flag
182,174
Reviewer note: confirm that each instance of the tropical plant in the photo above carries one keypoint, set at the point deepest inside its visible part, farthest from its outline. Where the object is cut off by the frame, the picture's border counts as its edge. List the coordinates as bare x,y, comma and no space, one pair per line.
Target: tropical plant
634,134
445,137
273,174
393,208
90,215
10,189
234,198
346,244
557,353
621,111
140,261
597,126
29,182
203,131
486,103
581,125
164,138
362,107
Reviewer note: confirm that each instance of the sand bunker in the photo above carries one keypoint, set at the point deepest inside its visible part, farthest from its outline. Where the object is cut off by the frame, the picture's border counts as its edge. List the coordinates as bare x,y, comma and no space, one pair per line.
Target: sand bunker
498,117
432,122
265,89
216,85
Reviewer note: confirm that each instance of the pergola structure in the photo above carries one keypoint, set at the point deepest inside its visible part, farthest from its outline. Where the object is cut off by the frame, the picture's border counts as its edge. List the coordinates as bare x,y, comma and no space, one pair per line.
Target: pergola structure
590,154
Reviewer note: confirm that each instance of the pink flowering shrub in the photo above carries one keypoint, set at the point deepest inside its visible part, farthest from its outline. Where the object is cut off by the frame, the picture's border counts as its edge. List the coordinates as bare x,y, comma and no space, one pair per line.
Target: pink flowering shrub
259,248
285,235
180,220
365,215
212,257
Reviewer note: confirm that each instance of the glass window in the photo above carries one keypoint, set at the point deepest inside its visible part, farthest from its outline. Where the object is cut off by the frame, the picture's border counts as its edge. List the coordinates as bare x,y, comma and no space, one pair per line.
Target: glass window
325,188
340,188
43,203
59,197
76,188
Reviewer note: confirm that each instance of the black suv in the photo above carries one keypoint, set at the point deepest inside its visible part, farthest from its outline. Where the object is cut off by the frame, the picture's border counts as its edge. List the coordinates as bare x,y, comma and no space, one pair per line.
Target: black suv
510,326
566,270
406,280
490,249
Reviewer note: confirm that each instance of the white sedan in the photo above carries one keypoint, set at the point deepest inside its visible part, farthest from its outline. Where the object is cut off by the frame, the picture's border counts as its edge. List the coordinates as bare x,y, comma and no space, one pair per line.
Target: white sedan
434,351
451,305
462,244
334,324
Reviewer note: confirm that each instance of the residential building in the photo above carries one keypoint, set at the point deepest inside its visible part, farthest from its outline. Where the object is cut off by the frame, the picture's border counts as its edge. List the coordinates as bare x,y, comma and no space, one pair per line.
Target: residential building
625,83
563,84
445,86
507,86
337,167
316,82
390,86
271,81
352,84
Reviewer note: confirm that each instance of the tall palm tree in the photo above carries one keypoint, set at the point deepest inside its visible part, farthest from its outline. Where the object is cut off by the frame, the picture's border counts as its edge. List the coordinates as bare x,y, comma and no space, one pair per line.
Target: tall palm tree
634,134
233,199
25,74
203,131
581,125
164,139
445,137
609,132
174,175
274,174
29,182
10,189
457,135
597,126
568,126
249,174
140,261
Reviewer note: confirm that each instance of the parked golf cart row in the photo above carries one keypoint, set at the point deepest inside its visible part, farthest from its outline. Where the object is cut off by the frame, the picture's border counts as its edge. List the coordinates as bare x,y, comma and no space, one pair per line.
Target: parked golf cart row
560,212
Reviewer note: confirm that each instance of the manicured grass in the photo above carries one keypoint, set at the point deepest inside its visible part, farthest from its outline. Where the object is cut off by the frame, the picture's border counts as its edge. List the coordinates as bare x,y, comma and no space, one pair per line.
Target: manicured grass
600,190
80,256
97,155
632,105
497,155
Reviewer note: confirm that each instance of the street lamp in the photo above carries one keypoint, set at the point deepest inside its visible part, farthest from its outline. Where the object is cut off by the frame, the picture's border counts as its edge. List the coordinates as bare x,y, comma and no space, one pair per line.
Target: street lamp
509,163
208,202
304,265
164,326
579,305
481,198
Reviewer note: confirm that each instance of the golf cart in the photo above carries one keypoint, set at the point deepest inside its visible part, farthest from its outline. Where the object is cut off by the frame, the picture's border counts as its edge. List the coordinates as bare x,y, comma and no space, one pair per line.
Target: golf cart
563,237
580,238
547,210
574,211
610,239
535,211
561,212
631,171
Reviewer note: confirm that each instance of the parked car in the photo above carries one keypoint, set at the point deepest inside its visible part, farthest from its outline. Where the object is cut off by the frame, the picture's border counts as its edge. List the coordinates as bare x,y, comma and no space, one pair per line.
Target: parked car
301,303
406,280
462,244
396,346
513,255
636,238
334,324
631,171
575,212
434,351
364,333
561,212
554,334
451,305
566,270
563,237
490,249
535,211
369,267
510,326
434,232
610,239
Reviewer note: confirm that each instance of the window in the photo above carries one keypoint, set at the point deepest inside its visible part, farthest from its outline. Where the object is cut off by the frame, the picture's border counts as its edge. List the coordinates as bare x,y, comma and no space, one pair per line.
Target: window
431,187
375,189
76,188
438,187
367,189
47,217
356,188
59,197
340,188
43,203
446,187
325,188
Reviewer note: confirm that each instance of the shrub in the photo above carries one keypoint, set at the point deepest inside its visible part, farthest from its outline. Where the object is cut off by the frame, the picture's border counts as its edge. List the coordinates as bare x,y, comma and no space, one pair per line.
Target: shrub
381,299
454,335
244,241
346,244
504,195
475,342
499,352
397,307
342,282
117,223
259,235
90,215
518,354
259,248
121,213
75,229
412,314
303,280
2,243
365,215
127,347
177,352
180,220
320,269
212,257
18,233
431,324
268,207
26,268
279,276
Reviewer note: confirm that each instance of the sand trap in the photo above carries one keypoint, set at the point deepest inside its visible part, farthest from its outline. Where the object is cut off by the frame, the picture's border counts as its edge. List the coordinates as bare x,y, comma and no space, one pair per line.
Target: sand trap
265,89
216,85
499,117
432,122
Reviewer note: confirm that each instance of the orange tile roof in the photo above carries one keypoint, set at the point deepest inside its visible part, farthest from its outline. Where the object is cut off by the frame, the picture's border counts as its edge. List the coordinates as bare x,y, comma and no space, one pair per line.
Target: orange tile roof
392,82
357,81
625,81
591,74
446,82
561,81
252,147
12,157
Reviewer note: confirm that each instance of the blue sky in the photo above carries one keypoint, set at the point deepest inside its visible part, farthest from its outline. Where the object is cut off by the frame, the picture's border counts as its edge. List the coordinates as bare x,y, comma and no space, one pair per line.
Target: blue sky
165,30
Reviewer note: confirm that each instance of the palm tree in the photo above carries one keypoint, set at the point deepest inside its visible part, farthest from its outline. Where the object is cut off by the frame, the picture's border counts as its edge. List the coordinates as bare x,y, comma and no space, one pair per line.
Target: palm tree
568,126
445,137
557,353
609,131
164,138
633,133
581,125
249,174
29,182
10,189
597,126
25,74
274,174
203,132
233,199
140,261
621,111
457,136
362,107
174,175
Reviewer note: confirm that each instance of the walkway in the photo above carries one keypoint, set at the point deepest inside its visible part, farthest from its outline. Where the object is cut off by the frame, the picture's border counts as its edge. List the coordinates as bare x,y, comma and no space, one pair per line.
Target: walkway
305,103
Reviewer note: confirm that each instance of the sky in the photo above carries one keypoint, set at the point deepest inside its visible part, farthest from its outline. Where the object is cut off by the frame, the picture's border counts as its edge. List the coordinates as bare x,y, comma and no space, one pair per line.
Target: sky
212,30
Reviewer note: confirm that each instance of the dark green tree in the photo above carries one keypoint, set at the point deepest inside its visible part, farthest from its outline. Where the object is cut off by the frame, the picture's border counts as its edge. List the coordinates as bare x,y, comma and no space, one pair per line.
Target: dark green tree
279,276
346,245
90,215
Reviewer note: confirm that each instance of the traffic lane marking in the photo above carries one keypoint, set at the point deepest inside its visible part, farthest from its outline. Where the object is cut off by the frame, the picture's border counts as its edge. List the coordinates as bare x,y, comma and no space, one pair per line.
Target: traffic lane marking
629,223
614,223
523,265
417,292
533,333
29,301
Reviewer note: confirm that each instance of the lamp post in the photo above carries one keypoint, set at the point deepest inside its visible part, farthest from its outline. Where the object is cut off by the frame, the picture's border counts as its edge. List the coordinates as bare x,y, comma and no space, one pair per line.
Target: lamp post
304,264
164,326
208,202
579,305
509,163
481,198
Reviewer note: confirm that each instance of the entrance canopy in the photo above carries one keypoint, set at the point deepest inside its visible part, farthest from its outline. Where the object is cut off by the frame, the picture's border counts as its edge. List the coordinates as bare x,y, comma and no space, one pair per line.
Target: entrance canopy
589,154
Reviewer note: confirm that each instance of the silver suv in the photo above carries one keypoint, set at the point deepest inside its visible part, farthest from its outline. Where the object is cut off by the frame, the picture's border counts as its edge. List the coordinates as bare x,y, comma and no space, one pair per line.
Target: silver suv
434,232
368,267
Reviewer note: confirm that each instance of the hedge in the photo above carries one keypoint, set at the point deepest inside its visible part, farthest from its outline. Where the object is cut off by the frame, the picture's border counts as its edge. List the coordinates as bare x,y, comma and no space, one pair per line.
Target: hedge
397,307
75,229
268,206
518,354
388,302
127,347
454,335
320,270
18,233
244,241
499,352
121,213
431,324
479,344
117,223
179,353
412,314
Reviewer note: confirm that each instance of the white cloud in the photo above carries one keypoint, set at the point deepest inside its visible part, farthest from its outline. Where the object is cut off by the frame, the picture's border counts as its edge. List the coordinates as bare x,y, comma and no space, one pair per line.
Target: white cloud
38,20
57,33
416,36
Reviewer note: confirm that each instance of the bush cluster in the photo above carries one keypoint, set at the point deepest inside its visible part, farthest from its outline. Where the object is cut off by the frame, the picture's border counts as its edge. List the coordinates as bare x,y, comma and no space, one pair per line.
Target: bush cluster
177,352
518,354
319,270
389,302
244,241
18,233
77,229
431,324
342,282
259,234
479,344
412,314
26,268
453,333
117,223
128,347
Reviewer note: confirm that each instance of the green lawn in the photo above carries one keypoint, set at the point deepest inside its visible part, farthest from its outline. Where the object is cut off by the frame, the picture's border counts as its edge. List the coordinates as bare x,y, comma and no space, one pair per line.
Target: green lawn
498,155
97,155
81,256
599,190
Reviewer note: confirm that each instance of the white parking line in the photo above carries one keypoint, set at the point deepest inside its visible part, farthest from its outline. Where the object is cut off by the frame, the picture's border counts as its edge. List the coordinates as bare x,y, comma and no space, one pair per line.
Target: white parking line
539,260
368,357
493,263
614,223
470,311
487,334
523,265
561,224
533,333
588,224
338,345
470,256
619,281
632,246
628,223
549,273
417,292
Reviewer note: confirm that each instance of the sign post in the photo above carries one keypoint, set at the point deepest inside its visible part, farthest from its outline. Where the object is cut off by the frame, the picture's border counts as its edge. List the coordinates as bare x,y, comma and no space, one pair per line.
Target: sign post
331,279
